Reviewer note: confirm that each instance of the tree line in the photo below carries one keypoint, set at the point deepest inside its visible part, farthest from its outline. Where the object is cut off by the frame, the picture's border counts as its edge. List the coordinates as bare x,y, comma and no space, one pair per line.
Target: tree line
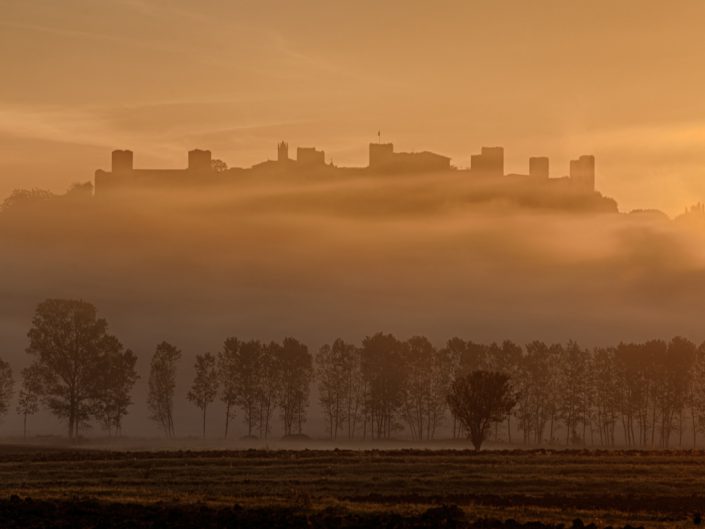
649,394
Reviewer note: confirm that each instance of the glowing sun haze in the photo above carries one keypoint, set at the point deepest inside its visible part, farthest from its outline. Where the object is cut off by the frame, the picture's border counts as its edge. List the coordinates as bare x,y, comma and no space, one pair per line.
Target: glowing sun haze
621,80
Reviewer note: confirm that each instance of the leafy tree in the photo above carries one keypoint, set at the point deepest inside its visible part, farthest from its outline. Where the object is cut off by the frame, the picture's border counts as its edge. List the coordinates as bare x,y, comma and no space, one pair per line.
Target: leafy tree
480,399
205,385
697,393
676,366
7,384
271,373
427,380
21,199
227,366
30,393
464,358
72,350
244,374
114,398
506,358
381,362
574,381
338,374
606,387
162,385
296,366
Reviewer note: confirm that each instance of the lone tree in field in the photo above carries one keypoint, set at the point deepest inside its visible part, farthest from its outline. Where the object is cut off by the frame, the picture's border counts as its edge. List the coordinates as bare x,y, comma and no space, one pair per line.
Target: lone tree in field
480,399
205,384
162,383
7,384
73,353
30,393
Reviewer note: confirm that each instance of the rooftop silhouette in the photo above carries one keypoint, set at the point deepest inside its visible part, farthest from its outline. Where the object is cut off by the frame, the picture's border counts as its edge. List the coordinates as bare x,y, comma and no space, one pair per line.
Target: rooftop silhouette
486,169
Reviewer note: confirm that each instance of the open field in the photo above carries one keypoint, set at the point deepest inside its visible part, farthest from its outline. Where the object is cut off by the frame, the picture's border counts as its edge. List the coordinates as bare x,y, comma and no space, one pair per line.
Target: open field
327,488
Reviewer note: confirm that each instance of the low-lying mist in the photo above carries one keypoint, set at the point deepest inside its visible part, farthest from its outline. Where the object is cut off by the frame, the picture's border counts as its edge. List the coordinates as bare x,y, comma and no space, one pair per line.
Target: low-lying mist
320,260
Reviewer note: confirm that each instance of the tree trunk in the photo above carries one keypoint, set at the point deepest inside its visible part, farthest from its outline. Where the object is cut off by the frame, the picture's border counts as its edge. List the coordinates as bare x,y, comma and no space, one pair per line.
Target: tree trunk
227,419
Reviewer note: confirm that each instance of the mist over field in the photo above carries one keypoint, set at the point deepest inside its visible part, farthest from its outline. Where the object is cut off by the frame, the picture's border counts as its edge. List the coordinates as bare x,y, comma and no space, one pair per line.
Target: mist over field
418,255
361,264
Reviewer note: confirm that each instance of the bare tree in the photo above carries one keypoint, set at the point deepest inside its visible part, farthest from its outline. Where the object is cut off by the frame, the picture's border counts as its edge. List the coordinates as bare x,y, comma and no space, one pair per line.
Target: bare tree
162,385
205,385
480,399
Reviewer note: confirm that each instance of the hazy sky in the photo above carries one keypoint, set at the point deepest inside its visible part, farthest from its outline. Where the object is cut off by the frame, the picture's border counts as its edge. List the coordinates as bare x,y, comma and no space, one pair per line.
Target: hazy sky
621,79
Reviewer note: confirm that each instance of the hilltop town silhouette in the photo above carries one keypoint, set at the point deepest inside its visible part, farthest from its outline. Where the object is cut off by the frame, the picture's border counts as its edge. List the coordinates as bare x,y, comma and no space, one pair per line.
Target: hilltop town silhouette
486,170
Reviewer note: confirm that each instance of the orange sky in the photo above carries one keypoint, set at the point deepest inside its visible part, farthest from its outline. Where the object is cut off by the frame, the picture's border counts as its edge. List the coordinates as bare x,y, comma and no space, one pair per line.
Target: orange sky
621,79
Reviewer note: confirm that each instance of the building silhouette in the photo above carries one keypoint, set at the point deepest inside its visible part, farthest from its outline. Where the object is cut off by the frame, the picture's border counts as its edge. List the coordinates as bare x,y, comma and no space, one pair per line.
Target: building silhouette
487,167
383,159
282,152
582,172
310,156
538,167
490,162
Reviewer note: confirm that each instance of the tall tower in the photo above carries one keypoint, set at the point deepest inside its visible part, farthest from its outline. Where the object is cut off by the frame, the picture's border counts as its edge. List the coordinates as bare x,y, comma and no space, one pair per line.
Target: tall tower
381,155
490,162
199,160
122,161
282,152
582,172
538,166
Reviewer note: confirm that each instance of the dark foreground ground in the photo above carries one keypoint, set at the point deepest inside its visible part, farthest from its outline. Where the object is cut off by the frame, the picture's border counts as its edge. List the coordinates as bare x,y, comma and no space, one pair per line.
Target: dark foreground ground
338,489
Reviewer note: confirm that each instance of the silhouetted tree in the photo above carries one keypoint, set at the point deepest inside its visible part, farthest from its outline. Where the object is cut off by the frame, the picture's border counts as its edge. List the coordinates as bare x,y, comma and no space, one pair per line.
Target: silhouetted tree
507,359
332,367
574,397
464,357
162,385
271,373
114,398
675,366
226,366
218,165
246,373
73,350
606,386
480,399
383,375
534,385
205,384
29,396
26,198
296,367
427,379
697,393
340,387
7,384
